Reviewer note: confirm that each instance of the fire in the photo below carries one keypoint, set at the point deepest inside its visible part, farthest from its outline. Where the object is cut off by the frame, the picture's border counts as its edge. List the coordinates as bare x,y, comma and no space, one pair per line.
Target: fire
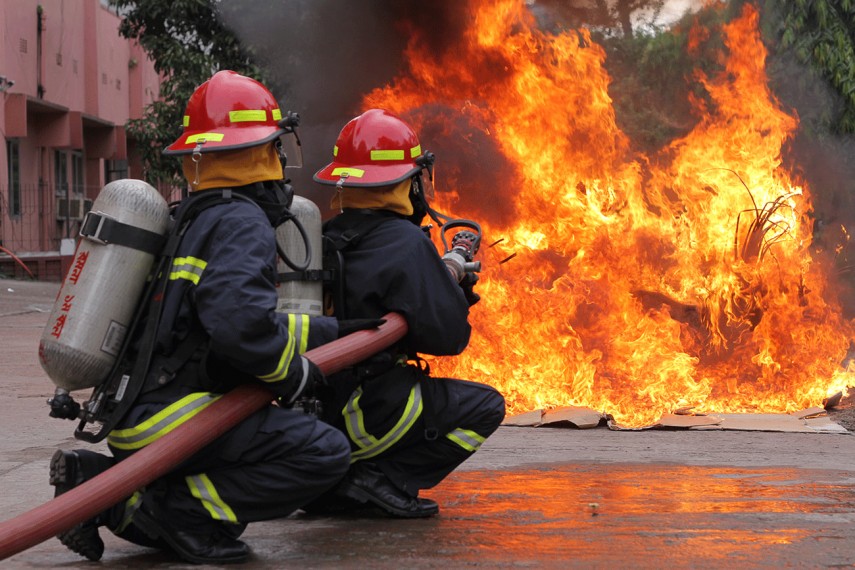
629,284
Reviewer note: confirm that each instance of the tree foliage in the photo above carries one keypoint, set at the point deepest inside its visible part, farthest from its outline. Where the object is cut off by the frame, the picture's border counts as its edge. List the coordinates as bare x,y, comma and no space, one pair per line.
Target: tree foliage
821,33
188,43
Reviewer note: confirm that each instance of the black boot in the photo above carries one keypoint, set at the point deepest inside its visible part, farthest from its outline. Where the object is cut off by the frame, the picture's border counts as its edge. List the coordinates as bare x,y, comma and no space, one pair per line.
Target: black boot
68,469
367,484
212,545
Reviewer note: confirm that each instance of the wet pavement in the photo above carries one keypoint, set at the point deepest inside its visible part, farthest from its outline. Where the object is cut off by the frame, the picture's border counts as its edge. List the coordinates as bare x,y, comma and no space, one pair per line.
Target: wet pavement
532,497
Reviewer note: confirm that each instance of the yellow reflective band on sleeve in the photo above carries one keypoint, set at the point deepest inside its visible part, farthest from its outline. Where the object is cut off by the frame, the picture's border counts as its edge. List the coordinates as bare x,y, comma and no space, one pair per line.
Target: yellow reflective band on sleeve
162,422
189,268
355,172
467,439
186,121
248,116
131,506
415,151
387,155
277,114
203,489
201,137
284,363
298,327
368,444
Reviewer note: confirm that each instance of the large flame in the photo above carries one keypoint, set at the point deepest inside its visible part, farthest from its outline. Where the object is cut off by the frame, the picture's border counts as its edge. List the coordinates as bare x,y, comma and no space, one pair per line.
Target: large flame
629,284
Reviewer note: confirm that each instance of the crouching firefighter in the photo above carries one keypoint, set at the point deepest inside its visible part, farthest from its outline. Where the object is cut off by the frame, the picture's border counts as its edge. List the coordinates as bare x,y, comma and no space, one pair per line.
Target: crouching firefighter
211,324
407,429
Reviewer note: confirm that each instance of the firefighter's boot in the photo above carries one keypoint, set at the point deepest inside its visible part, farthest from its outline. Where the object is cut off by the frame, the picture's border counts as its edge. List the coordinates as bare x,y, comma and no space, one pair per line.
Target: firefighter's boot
68,469
366,483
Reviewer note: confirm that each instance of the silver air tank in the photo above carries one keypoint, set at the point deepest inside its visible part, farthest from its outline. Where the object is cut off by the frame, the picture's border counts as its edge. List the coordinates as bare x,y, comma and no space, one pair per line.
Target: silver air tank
101,290
298,295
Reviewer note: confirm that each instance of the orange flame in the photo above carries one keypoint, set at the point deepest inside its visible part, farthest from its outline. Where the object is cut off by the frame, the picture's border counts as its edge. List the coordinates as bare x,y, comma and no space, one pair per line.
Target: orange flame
635,285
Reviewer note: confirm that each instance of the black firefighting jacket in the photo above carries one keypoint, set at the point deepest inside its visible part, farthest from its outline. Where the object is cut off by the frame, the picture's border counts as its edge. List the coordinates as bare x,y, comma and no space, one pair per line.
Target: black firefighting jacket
221,299
395,267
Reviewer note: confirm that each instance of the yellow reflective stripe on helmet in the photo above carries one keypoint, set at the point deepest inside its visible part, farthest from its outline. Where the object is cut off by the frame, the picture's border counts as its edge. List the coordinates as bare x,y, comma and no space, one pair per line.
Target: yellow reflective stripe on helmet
189,268
387,155
162,422
335,150
132,505
284,363
248,116
186,121
298,327
277,114
202,137
467,439
356,428
355,172
203,489
416,151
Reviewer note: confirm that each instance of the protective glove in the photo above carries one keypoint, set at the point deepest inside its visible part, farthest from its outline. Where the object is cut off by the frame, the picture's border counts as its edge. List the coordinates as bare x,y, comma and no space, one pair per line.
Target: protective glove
311,389
349,326
468,286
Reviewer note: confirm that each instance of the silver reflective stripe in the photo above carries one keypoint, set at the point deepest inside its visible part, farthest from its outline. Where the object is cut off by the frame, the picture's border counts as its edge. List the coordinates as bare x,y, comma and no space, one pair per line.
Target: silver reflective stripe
303,381
298,327
162,422
405,423
467,439
203,489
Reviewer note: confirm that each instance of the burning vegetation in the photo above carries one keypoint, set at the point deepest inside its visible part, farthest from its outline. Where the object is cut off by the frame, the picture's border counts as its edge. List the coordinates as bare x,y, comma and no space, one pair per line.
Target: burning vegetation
631,284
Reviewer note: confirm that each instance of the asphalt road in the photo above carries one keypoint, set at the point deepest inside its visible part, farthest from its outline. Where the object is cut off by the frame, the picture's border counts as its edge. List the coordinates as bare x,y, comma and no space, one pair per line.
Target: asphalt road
531,497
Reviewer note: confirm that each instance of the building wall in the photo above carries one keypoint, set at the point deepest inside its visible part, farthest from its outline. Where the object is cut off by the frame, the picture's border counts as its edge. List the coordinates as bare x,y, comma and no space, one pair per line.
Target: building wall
76,84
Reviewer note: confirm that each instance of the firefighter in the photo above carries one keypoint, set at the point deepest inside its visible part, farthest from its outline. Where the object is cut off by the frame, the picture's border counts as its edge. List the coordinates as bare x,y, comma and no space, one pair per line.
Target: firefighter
218,329
407,429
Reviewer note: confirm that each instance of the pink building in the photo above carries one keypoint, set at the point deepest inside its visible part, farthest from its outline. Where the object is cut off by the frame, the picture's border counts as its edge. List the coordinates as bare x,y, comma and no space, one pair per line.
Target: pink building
68,85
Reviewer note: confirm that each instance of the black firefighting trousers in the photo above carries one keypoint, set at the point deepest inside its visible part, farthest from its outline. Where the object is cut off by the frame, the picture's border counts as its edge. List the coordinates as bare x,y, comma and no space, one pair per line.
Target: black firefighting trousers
415,428
268,466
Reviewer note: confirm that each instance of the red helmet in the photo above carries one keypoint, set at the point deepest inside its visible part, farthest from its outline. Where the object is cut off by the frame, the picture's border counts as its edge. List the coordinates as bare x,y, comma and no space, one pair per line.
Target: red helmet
228,112
374,149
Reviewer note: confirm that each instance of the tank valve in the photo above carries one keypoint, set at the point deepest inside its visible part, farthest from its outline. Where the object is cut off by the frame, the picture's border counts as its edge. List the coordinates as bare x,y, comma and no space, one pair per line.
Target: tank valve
63,406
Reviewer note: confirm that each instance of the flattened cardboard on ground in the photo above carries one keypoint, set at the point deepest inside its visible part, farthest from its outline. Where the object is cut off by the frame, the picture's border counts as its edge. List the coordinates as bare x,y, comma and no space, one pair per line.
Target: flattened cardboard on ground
810,420
575,416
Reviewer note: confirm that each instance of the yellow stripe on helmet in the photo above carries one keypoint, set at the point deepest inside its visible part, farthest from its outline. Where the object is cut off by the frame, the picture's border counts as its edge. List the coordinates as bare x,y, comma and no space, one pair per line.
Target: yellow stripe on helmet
355,172
201,137
247,116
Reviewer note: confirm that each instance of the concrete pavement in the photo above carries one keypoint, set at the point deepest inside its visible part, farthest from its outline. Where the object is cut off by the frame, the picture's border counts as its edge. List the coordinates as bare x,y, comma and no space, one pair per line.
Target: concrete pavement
531,497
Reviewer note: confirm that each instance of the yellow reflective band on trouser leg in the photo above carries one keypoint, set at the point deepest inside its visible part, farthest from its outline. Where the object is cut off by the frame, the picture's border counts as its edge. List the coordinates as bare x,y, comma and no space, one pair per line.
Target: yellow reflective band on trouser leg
369,445
298,327
131,506
467,439
162,422
203,489
189,268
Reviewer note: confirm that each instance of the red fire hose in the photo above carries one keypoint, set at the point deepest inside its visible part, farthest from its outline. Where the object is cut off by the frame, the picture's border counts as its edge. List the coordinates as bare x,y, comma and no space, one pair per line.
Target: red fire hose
158,458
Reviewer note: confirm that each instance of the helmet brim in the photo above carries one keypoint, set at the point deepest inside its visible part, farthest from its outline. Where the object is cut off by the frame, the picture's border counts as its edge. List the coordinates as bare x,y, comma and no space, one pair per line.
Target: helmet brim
222,139
364,175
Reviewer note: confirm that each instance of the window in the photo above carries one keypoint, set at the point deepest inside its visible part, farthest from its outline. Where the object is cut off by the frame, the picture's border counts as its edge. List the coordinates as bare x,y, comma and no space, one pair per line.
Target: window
115,170
13,154
77,173
60,173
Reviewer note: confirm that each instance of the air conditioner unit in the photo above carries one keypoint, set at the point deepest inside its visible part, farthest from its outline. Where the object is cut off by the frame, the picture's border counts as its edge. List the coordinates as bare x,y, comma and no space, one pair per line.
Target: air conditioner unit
72,209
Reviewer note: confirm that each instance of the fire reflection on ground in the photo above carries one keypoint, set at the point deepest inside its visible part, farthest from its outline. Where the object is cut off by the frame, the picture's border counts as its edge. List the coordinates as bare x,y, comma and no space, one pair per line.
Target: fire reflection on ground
597,514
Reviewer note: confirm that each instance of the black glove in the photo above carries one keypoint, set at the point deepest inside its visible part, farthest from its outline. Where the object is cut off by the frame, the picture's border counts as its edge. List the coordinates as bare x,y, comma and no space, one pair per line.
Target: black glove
311,386
349,326
468,286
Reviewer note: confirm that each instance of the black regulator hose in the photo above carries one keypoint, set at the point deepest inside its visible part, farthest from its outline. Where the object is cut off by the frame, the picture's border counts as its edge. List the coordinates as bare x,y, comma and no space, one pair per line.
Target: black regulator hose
303,234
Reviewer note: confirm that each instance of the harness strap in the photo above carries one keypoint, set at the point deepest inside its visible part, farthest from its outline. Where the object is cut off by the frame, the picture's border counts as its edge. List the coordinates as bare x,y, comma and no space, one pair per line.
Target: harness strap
105,229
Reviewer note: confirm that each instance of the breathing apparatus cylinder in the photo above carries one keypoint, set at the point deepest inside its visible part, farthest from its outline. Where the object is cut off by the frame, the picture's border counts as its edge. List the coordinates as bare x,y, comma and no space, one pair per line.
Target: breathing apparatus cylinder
301,291
102,288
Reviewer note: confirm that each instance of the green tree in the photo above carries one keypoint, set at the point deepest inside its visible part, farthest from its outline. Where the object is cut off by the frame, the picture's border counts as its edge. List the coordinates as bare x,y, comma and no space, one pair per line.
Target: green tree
821,34
188,43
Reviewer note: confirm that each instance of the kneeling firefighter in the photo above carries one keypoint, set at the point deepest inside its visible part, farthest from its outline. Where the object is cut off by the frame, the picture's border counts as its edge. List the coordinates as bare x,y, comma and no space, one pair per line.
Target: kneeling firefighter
407,429
213,326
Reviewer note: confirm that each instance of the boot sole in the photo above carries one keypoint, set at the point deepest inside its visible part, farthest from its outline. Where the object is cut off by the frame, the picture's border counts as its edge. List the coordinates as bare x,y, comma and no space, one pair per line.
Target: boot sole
363,496
82,539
